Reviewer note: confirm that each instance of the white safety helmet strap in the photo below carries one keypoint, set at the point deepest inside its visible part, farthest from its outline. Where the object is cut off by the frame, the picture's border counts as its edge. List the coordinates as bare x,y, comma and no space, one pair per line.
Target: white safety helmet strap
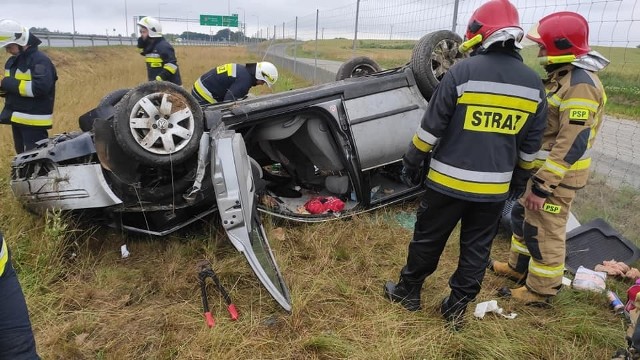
13,33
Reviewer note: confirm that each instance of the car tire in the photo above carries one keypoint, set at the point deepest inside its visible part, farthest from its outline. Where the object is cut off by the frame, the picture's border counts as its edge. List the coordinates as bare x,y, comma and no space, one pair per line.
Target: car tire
158,123
112,98
432,57
356,67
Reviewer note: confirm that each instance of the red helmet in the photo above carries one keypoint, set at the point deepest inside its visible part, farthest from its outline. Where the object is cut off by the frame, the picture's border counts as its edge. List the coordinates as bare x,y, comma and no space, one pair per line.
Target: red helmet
562,33
491,17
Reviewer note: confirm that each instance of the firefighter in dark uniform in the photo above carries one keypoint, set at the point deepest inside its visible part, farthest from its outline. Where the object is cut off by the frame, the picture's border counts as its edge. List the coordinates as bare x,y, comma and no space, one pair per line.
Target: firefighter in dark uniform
16,335
28,86
484,124
162,64
230,82
576,100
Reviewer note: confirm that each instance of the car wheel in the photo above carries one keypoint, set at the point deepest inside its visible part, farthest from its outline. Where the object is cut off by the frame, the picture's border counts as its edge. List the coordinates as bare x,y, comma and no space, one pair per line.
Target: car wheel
158,123
432,57
112,98
358,66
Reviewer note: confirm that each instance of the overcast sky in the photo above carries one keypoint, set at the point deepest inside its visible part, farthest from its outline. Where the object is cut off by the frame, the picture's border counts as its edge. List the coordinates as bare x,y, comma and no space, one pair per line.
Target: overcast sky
616,22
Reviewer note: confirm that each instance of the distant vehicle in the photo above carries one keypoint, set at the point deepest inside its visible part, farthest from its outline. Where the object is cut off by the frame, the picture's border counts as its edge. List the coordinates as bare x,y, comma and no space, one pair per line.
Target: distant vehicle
151,160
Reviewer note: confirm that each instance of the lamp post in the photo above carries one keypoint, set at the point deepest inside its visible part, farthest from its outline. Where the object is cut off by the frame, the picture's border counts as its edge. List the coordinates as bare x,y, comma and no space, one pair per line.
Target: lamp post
244,23
126,21
258,31
73,19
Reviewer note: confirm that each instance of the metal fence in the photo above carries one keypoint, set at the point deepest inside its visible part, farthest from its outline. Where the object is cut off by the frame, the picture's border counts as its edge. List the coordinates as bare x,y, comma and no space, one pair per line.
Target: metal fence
614,25
69,40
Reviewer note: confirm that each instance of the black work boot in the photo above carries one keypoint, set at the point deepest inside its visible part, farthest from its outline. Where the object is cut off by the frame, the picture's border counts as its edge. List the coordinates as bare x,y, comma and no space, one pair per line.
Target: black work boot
453,312
407,295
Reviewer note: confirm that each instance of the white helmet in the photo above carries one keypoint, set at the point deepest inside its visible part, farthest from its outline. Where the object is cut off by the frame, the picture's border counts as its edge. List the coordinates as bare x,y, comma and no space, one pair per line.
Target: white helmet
267,72
13,33
153,25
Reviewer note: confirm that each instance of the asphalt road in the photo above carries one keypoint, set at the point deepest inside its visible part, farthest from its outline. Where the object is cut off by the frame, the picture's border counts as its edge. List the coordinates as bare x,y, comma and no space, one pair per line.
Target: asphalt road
616,152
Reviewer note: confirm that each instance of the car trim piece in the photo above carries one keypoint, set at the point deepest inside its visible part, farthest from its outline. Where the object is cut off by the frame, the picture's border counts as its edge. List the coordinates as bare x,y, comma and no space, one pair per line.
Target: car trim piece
385,114
175,228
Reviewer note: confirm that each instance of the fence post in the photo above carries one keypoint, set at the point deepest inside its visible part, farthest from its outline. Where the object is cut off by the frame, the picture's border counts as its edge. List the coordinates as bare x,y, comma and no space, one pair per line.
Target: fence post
120,37
108,43
274,31
283,30
355,33
315,67
455,15
295,48
92,42
48,40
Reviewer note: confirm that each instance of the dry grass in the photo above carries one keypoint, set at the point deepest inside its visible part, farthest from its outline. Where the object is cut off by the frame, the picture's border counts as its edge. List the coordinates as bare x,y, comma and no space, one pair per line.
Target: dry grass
87,303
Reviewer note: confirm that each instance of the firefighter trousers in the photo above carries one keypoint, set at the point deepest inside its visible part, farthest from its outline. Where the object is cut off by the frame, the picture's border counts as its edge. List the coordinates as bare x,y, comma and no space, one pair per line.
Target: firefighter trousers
16,336
25,137
538,241
437,216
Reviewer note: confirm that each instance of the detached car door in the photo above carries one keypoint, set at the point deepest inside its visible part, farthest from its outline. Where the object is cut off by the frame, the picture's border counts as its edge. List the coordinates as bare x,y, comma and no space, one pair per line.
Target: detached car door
235,193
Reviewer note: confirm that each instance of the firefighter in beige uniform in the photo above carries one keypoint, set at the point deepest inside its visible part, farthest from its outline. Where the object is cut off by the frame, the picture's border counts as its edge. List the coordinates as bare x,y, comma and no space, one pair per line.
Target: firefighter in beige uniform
576,101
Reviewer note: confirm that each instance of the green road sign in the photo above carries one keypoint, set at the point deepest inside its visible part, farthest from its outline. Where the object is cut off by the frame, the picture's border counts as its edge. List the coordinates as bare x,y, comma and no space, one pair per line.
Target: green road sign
219,20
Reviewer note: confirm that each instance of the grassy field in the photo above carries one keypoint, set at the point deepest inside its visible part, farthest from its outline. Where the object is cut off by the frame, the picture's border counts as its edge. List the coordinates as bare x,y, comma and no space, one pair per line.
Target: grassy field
621,77
87,303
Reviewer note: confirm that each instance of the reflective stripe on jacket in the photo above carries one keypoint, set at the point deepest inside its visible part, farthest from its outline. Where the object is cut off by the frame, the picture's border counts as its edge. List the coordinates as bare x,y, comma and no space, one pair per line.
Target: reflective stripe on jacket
30,85
162,63
576,100
485,118
226,82
4,255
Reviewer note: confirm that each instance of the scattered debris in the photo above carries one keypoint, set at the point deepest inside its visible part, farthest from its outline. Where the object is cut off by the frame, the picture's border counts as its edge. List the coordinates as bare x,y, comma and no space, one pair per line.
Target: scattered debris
269,201
406,220
615,303
124,252
301,210
491,306
321,205
278,233
589,280
618,268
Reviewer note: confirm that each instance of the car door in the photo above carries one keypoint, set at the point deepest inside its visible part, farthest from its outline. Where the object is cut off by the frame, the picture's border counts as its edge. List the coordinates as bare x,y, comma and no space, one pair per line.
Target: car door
235,193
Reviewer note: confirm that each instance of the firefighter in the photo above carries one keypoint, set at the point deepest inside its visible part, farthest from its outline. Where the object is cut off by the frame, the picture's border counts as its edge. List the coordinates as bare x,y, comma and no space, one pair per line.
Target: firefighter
16,335
162,64
28,86
576,104
230,82
483,125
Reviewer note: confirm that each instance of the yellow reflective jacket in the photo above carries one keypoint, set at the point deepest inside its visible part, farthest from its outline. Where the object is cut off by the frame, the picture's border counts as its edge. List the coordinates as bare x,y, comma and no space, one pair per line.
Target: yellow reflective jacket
4,255
576,101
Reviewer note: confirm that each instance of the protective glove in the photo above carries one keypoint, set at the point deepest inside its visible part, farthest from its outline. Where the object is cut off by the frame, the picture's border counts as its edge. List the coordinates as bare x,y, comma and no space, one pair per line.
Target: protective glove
410,174
518,183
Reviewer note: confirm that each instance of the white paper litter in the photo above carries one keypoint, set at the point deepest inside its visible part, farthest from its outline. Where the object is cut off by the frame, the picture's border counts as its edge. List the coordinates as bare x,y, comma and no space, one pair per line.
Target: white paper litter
491,306
587,279
123,250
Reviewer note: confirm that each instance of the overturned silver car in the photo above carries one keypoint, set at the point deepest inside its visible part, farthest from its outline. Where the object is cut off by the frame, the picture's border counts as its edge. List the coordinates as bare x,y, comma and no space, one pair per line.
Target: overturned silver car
151,160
